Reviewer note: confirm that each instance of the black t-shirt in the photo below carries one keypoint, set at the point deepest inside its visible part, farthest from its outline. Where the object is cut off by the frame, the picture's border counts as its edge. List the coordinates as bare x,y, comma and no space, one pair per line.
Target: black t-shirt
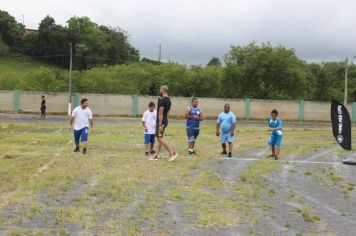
43,103
164,102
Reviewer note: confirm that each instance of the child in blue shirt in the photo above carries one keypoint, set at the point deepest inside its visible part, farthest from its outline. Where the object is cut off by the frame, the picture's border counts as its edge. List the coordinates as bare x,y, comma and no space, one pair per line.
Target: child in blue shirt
276,127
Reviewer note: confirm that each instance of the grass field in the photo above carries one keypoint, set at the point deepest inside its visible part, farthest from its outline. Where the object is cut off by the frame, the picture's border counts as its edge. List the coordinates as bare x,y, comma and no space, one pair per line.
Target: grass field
46,189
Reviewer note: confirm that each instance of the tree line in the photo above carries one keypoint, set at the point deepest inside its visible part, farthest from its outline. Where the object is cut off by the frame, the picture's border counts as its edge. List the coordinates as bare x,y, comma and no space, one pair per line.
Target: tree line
106,62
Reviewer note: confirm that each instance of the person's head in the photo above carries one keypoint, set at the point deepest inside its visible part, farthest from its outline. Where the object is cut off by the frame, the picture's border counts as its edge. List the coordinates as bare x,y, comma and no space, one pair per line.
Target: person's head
151,106
163,90
227,108
84,103
43,97
195,102
274,114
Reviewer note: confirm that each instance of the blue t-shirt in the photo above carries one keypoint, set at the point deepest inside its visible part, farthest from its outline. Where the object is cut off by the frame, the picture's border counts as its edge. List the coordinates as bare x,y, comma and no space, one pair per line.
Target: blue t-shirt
274,124
193,112
226,121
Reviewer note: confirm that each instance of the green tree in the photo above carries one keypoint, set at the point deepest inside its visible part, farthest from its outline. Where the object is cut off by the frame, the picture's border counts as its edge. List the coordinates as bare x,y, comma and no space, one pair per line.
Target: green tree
215,61
10,30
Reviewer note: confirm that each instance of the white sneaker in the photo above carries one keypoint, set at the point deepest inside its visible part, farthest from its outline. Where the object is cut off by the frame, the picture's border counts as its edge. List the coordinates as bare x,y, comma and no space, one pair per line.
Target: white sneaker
173,156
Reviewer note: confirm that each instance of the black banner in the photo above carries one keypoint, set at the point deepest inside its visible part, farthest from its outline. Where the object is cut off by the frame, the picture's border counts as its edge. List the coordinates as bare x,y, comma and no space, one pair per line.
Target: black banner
341,124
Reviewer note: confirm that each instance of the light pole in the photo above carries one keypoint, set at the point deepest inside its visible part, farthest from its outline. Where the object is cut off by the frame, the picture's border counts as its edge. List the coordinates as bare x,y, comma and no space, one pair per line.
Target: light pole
159,52
346,78
70,78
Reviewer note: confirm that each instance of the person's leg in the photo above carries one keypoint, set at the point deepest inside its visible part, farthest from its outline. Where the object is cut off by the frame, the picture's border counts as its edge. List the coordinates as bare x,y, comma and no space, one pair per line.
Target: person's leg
273,149
230,140
152,143
77,140
278,146
166,146
231,146
223,145
147,144
190,135
44,115
84,139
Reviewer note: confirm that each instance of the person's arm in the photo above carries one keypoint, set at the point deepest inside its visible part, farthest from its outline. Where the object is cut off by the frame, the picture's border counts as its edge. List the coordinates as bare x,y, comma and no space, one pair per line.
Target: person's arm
186,114
144,122
71,122
234,121
91,122
201,117
71,119
233,129
160,117
218,121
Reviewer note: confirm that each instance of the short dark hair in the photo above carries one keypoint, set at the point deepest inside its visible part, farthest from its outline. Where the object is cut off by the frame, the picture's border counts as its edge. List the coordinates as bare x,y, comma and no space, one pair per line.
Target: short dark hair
226,104
151,104
83,100
43,96
274,111
194,98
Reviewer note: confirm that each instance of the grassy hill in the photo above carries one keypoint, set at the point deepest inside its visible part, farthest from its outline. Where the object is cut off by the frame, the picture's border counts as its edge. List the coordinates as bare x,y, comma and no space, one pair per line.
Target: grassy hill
20,64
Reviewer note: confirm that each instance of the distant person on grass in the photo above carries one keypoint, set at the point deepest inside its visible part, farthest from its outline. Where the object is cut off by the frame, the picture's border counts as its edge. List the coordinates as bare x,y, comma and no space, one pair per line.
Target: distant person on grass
81,118
276,127
226,123
163,108
43,108
149,120
193,115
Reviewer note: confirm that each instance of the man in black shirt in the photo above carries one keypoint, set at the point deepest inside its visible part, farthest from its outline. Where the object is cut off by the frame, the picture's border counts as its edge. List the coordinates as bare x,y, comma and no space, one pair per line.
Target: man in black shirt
163,108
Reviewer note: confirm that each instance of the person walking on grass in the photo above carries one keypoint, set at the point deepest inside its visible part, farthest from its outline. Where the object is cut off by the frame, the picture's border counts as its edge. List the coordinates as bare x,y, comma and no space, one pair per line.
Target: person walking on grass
43,108
149,120
276,127
80,120
226,123
193,115
163,108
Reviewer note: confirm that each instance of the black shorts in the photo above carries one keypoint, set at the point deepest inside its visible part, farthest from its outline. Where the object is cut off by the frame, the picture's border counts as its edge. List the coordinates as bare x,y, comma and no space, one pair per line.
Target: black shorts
160,134
43,110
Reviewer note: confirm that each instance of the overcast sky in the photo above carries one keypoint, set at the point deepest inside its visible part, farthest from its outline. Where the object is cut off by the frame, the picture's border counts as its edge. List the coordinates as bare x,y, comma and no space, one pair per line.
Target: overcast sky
193,31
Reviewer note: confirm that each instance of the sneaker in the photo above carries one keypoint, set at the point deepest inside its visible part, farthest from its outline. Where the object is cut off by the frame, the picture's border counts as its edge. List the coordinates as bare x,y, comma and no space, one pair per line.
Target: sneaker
154,158
173,156
152,152
76,150
229,155
194,153
147,154
84,151
271,155
275,157
223,153
190,152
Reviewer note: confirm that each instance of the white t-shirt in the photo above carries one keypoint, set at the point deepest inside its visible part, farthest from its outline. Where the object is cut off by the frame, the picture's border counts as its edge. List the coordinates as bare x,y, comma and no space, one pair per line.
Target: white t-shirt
150,119
81,117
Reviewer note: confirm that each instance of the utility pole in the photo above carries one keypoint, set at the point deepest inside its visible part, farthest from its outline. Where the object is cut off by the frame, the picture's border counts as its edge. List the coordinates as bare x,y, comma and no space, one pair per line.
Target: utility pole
159,52
346,77
346,72
70,78
23,19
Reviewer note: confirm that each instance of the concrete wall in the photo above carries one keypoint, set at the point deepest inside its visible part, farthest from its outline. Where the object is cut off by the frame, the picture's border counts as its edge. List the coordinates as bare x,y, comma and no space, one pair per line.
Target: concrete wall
6,100
123,105
289,110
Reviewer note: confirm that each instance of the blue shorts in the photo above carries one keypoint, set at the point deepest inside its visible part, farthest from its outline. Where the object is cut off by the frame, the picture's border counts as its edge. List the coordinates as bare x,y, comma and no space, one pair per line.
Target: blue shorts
192,133
227,137
150,138
275,140
81,134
